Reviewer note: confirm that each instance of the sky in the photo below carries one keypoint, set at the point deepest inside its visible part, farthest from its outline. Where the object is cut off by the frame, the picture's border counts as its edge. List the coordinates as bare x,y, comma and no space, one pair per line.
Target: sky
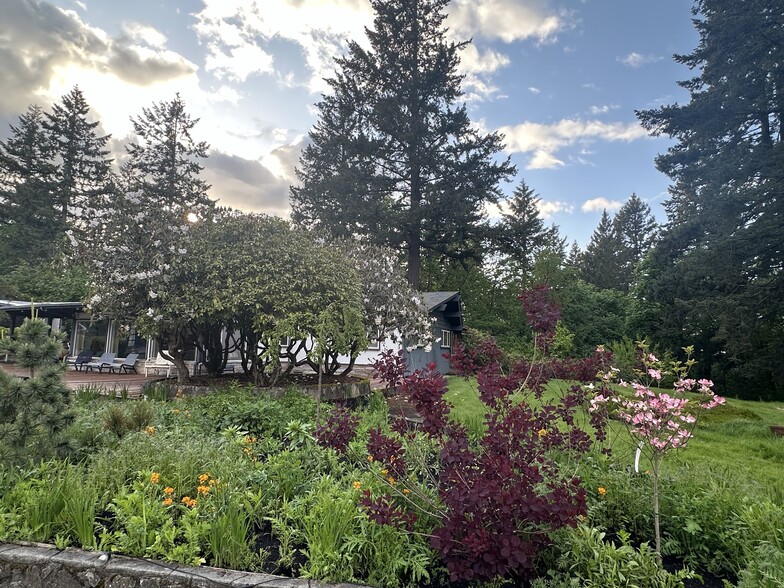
559,79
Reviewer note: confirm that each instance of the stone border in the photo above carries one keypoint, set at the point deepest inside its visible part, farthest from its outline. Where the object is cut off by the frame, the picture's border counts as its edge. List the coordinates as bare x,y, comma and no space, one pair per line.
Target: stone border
36,565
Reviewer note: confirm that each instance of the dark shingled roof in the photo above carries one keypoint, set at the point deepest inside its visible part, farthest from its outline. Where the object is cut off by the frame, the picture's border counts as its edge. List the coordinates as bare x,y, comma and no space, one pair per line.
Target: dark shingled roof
436,299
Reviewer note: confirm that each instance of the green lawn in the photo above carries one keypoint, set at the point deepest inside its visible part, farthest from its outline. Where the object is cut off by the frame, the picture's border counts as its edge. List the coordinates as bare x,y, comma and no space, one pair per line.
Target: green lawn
733,440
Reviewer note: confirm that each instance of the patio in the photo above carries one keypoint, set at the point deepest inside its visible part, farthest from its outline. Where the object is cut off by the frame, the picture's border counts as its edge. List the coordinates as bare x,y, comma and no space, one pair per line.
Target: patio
108,381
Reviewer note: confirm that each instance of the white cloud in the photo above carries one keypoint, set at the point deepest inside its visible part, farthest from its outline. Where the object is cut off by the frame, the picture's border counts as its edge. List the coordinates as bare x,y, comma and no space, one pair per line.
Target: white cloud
604,108
544,141
636,60
601,203
477,67
534,90
508,20
145,34
319,27
239,62
549,208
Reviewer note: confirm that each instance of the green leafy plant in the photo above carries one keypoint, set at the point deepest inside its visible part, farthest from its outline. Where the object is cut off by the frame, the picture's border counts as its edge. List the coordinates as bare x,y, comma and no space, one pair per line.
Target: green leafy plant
228,537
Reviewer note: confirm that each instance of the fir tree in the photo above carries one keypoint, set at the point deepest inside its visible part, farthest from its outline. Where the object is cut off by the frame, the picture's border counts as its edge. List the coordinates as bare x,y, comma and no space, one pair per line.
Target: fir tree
29,222
393,156
637,233
34,410
601,262
82,173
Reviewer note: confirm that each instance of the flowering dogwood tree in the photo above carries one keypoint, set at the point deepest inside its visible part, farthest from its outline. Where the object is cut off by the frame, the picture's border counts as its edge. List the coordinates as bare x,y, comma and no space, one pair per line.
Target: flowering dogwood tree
661,422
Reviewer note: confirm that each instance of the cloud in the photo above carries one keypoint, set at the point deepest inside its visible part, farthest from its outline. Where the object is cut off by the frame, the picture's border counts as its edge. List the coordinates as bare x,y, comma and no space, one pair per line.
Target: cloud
507,20
544,141
246,184
604,108
477,67
549,208
636,60
43,46
318,27
534,90
595,204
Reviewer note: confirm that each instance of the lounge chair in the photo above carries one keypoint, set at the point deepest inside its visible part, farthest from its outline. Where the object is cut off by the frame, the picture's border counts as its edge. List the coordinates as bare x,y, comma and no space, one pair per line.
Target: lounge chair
85,355
106,361
128,364
159,363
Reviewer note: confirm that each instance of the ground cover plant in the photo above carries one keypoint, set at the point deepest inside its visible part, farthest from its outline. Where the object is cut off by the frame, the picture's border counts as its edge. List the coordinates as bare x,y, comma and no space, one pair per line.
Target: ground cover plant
507,478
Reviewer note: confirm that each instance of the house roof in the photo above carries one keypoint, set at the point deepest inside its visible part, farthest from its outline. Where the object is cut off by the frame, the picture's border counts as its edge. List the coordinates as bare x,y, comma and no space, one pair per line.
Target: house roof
435,299
44,309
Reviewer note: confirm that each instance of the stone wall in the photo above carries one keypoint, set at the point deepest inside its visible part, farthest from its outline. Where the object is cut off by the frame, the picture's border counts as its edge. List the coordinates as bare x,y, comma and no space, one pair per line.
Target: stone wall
32,565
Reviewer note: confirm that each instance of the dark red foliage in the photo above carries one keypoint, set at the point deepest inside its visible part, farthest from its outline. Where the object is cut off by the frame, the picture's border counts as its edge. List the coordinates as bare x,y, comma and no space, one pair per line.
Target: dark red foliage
468,361
385,511
339,428
387,452
390,368
425,389
541,311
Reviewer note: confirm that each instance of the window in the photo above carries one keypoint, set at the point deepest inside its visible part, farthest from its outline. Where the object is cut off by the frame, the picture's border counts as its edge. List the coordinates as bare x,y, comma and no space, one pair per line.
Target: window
446,339
129,341
374,341
90,335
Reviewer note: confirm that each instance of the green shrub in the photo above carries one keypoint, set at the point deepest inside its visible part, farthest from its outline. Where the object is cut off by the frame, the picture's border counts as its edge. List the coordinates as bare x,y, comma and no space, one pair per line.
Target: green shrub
766,570
588,560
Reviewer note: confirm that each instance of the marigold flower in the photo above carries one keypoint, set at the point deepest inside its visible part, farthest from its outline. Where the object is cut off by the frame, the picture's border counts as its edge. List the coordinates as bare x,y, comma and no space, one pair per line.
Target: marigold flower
155,477
168,490
357,485
602,491
167,502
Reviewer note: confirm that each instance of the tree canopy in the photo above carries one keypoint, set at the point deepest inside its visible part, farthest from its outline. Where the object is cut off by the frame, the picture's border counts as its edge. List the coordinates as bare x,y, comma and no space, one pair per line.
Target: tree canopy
394,157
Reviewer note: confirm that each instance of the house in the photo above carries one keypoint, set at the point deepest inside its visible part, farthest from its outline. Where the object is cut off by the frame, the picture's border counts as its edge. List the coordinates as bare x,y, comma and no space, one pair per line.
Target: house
111,336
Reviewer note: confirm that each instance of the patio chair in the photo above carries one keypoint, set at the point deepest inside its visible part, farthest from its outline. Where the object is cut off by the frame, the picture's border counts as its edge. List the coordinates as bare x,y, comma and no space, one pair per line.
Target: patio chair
128,364
159,363
106,361
84,356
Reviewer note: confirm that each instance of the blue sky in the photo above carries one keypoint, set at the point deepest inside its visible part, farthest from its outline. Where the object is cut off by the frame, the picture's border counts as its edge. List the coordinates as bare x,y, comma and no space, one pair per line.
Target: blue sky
561,80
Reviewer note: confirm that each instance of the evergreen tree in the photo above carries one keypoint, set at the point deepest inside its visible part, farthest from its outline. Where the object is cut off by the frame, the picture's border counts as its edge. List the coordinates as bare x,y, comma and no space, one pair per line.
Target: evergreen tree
163,166
393,156
721,256
521,234
574,258
601,262
82,167
637,232
29,222
33,411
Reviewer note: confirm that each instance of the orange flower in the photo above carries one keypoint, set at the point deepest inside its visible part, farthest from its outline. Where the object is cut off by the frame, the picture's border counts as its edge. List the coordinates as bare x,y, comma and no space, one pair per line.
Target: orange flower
357,485
155,477
370,458
203,490
203,478
150,430
406,491
188,501
167,502
391,480
602,491
168,490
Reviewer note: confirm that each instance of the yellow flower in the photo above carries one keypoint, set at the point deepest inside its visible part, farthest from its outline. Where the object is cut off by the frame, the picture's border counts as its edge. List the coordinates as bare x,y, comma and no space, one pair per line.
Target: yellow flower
602,491
406,491
167,502
384,472
357,485
203,490
168,490
150,430
391,480
203,478
370,458
213,482
542,432
155,477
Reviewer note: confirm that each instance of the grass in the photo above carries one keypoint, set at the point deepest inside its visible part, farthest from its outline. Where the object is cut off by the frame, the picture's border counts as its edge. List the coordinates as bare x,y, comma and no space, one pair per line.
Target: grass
734,439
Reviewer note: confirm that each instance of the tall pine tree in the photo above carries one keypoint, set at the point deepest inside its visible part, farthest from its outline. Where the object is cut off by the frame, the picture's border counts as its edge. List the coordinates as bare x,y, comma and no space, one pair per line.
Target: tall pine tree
29,222
601,263
637,232
722,256
393,156
83,179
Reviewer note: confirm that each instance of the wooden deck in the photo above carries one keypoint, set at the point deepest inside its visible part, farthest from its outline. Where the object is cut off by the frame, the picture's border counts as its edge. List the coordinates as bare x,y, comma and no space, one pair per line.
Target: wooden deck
76,379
